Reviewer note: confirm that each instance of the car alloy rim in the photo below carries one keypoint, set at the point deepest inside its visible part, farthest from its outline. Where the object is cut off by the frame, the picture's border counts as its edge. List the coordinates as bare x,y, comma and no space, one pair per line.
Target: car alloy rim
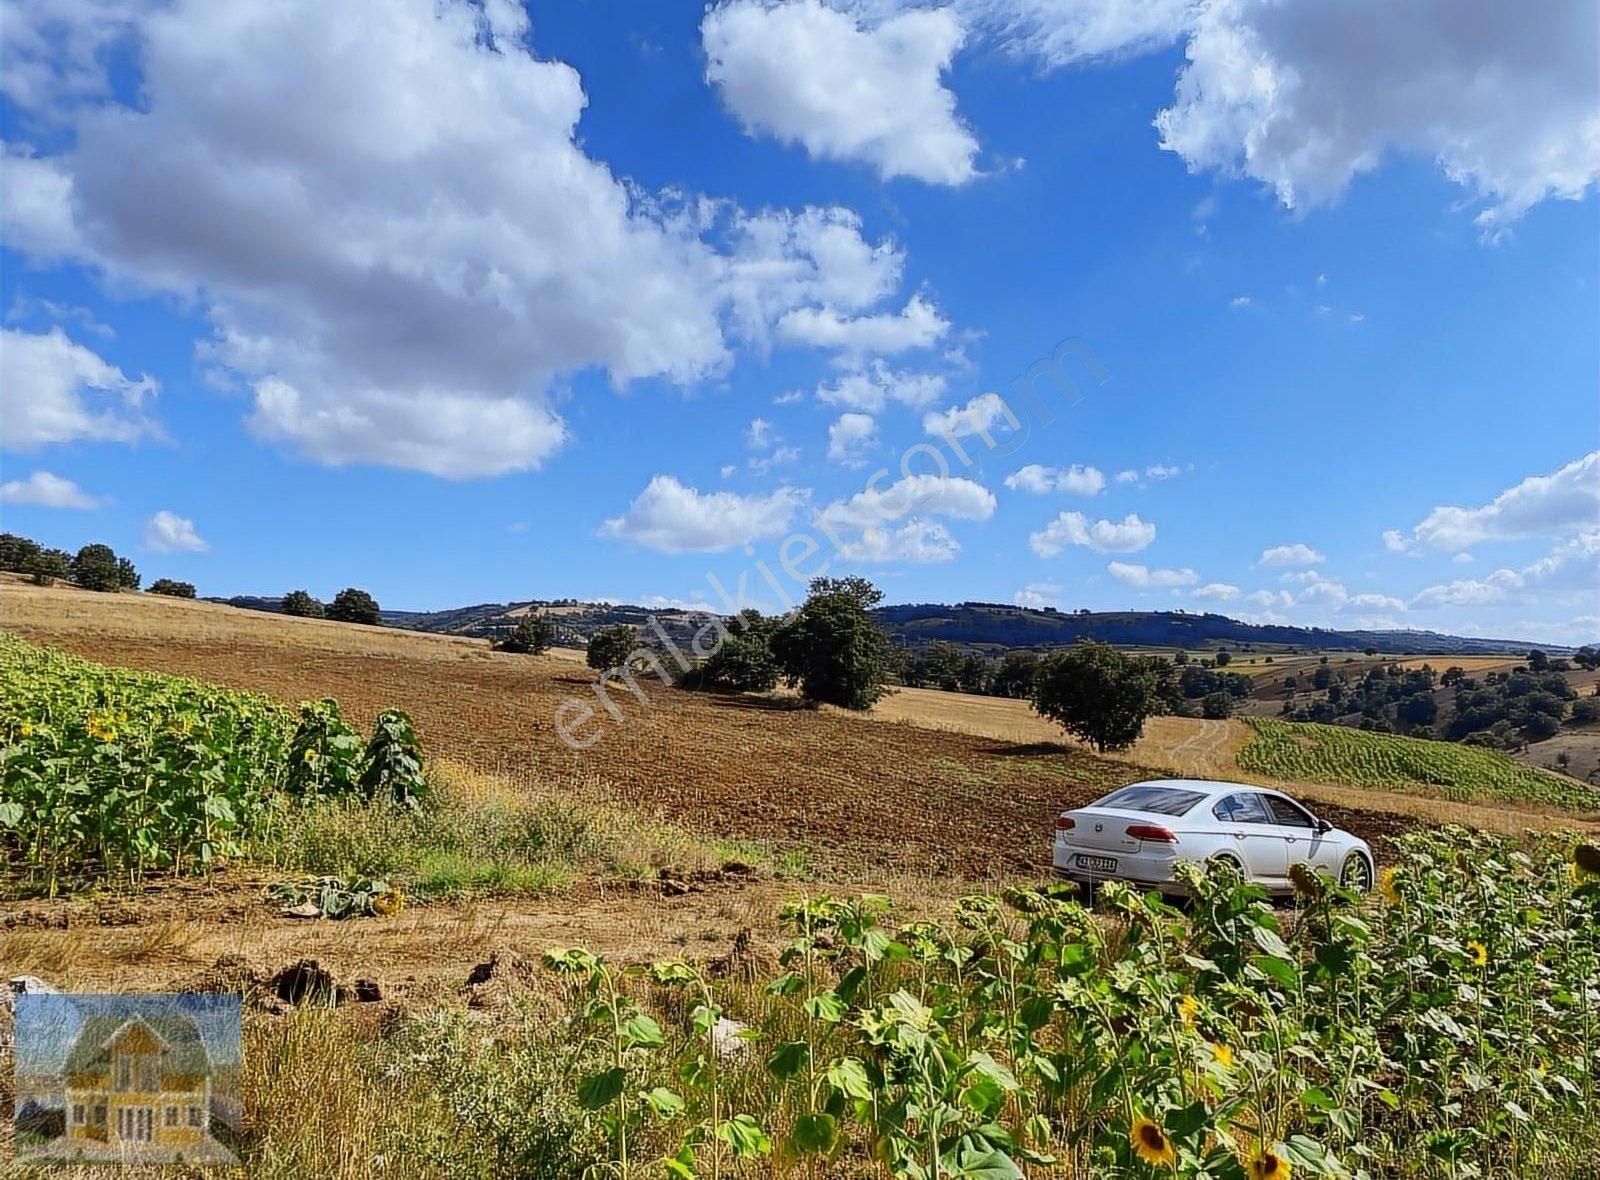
1355,873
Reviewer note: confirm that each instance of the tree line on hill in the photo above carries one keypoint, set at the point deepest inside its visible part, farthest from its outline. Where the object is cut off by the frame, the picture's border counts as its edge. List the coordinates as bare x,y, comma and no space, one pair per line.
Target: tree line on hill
833,652
350,605
1503,710
93,567
1186,687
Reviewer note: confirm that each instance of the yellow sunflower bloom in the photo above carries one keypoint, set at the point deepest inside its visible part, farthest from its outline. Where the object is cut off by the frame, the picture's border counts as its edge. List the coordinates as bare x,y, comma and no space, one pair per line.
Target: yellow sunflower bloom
1150,1143
1478,953
388,903
100,728
1222,1055
1188,1008
1387,886
27,729
1269,1165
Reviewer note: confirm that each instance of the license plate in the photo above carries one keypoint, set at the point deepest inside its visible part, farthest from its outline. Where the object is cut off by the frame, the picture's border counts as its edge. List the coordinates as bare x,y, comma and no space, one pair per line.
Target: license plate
1098,864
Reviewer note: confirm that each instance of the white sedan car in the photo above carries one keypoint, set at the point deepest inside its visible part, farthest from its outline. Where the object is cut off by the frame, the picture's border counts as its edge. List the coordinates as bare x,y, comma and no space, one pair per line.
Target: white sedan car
1139,833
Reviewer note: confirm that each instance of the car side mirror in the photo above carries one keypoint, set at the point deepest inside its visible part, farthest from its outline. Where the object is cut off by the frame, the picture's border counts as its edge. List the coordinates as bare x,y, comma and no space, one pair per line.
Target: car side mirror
1321,826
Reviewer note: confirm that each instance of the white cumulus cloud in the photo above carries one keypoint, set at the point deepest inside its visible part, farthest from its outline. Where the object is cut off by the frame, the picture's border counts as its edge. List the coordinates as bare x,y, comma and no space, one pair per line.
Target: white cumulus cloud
895,523
805,73
1215,592
45,489
670,517
1554,505
979,417
166,532
918,325
850,437
1144,577
399,253
874,387
1298,553
53,390
1304,96
1039,595
1039,479
1128,535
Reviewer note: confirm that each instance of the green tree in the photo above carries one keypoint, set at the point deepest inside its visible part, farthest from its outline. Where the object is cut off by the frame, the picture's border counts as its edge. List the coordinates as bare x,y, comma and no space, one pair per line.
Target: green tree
831,648
1538,661
533,635
354,606
610,647
1417,709
1216,706
96,568
48,565
1585,657
1584,712
1224,657
127,575
941,666
1096,693
302,605
1015,676
172,589
18,554
743,662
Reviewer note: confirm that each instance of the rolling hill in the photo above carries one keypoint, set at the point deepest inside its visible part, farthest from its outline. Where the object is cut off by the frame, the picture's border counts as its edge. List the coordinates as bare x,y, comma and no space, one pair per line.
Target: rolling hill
980,625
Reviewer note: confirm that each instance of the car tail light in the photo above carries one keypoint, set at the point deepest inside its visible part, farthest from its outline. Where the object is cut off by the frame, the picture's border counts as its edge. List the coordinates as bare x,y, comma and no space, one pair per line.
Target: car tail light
1153,832
1065,823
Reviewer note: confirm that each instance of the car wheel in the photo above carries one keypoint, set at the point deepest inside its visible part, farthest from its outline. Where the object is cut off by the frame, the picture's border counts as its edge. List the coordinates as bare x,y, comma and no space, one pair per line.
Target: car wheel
1356,873
1230,861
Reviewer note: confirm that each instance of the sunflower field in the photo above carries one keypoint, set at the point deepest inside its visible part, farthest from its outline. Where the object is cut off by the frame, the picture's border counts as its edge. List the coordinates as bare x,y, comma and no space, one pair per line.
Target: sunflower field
1305,751
108,772
1446,1026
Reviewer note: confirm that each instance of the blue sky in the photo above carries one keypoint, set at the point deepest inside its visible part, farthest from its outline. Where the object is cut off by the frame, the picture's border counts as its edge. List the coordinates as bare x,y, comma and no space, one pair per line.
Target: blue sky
460,303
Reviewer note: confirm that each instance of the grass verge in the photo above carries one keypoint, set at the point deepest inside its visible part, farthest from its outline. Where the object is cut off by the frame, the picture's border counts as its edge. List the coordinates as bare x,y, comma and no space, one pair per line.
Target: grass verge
481,835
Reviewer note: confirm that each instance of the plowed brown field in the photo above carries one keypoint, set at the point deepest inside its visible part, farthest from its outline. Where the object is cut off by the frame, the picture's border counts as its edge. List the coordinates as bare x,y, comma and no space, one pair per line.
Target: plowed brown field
854,792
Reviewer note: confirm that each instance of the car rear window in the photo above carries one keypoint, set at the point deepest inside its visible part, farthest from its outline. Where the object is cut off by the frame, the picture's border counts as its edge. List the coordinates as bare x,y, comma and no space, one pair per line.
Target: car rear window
1160,800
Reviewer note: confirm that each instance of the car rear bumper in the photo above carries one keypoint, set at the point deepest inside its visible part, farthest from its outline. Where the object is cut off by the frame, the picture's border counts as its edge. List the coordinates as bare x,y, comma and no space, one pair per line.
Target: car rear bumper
1154,870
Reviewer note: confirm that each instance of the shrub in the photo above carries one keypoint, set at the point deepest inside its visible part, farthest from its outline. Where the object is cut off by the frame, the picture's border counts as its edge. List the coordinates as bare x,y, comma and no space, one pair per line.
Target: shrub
1216,706
171,589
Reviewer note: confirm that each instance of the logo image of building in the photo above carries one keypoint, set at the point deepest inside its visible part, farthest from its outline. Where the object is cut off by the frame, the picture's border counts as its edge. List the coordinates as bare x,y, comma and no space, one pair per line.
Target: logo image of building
145,1079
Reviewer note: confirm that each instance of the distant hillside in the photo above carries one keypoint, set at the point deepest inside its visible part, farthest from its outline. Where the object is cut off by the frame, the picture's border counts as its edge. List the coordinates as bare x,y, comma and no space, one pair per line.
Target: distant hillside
992,624
979,625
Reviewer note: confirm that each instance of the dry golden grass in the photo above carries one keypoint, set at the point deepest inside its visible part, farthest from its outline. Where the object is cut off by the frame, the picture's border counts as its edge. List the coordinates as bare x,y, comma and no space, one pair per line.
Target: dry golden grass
1188,745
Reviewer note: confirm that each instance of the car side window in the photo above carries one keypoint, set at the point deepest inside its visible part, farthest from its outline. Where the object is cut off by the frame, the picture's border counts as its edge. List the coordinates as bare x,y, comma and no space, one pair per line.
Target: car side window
1290,815
1242,809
